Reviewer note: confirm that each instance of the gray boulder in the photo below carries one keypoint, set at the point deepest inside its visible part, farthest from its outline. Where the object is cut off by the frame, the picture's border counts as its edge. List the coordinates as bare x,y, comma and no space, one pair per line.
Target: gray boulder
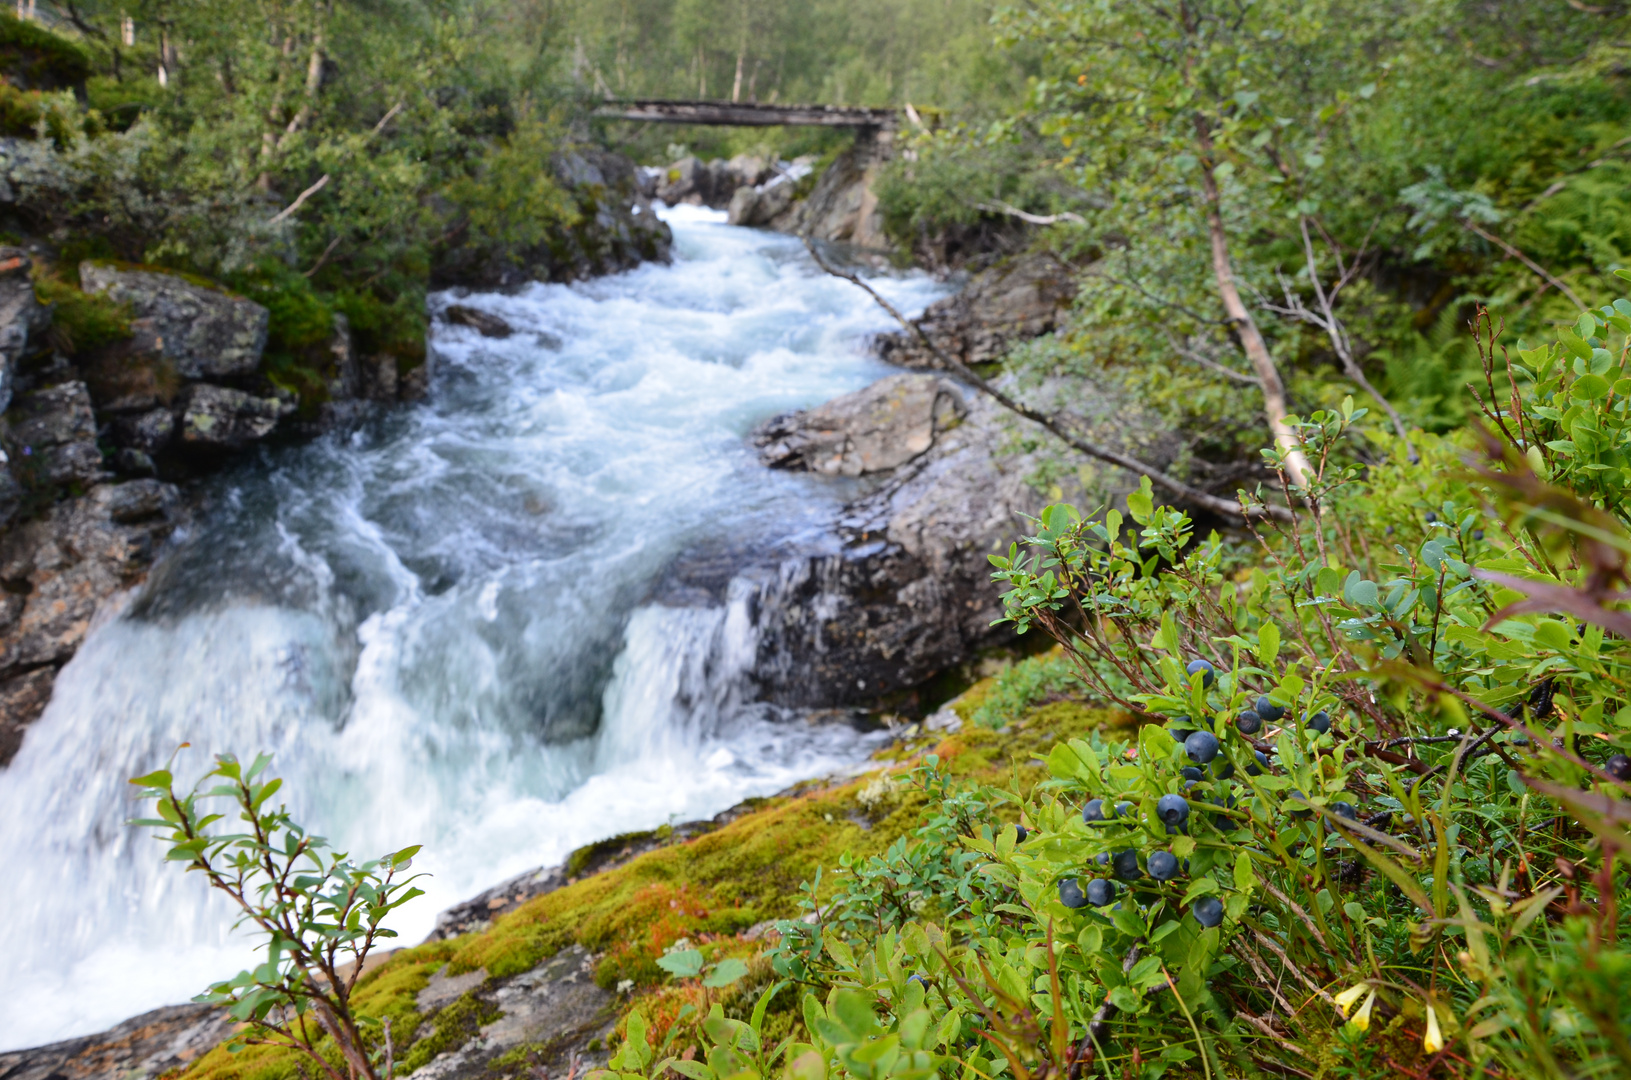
873,430
1015,300
484,323
217,418
54,431
206,333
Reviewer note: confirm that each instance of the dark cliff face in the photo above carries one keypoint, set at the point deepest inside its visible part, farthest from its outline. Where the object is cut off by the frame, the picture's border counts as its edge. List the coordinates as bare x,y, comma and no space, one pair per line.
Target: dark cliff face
616,230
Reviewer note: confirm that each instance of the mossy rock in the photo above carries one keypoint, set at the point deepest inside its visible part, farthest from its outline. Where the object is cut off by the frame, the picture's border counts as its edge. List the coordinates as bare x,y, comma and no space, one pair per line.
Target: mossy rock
33,58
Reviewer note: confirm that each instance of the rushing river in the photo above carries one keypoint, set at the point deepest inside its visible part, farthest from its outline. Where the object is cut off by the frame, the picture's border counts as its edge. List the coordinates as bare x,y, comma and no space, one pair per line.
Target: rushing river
440,624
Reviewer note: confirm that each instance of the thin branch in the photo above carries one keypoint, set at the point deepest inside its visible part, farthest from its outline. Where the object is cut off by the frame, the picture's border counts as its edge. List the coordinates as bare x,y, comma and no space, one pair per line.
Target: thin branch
1473,226
323,258
1131,464
1207,362
300,199
1031,219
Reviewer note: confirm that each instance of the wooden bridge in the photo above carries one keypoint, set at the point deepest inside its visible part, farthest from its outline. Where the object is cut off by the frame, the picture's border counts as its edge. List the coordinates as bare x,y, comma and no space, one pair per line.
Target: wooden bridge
749,114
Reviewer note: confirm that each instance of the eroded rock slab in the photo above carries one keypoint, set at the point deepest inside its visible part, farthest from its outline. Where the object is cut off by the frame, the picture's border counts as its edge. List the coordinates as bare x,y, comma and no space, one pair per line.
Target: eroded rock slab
56,572
1015,300
550,1018
873,430
222,419
54,429
141,1048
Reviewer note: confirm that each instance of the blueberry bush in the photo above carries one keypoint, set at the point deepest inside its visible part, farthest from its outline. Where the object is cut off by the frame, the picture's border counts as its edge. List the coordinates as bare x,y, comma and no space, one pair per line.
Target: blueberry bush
1372,818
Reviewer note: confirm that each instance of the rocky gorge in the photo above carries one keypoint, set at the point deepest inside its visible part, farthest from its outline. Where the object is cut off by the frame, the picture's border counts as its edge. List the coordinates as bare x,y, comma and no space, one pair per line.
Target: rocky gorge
862,611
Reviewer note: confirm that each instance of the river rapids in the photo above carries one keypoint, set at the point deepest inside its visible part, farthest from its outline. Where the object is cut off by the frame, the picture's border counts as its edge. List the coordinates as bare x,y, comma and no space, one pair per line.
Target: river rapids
440,624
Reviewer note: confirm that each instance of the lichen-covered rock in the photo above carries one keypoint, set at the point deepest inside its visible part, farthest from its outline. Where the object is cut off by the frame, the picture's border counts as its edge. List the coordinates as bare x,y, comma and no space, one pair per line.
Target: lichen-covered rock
147,1046
1015,300
555,1010
873,430
54,432
218,418
55,573
842,206
206,333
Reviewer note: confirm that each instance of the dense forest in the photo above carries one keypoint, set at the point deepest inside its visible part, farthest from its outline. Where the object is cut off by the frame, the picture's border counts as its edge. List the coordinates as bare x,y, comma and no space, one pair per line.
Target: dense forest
1323,771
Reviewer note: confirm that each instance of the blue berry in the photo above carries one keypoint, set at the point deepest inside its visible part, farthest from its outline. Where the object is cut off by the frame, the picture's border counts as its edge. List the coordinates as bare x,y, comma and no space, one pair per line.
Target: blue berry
1020,833
1162,865
1124,864
1619,767
1071,894
1173,810
1268,710
1102,858
1093,811
1320,722
1209,674
1100,892
1123,809
1345,810
1190,772
1298,798
1249,722
1201,747
1208,911
1224,771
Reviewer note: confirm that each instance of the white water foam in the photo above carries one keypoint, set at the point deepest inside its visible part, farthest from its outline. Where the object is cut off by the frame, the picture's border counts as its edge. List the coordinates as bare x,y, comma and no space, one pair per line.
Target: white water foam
438,623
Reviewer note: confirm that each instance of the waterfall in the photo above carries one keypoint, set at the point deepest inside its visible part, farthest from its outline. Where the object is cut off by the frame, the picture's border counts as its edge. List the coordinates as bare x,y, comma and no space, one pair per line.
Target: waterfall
443,624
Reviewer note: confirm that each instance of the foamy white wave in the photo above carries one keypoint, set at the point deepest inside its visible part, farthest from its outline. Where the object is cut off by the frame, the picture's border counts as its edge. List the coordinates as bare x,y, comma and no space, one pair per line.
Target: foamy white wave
439,623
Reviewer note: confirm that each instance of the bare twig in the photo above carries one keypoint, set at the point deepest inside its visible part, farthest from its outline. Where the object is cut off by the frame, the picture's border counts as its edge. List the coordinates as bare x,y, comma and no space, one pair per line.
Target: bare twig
323,258
300,199
1212,365
1326,319
1474,227
1031,219
1133,465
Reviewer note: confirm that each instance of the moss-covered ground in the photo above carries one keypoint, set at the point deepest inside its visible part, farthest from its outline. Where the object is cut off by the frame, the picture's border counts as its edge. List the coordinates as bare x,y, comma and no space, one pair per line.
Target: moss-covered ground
714,890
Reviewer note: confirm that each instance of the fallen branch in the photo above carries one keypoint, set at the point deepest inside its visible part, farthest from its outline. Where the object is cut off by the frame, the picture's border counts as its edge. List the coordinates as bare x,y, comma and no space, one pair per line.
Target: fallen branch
1131,464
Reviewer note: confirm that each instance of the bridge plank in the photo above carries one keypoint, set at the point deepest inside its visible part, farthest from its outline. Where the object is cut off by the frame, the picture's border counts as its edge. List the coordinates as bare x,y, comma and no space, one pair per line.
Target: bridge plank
748,114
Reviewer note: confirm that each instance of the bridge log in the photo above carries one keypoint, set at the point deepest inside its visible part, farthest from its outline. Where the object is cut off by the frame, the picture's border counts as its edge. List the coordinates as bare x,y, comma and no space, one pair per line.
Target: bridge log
748,114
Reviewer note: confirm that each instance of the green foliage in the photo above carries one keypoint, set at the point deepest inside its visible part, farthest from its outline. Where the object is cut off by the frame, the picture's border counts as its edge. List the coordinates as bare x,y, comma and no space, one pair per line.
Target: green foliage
81,321
320,913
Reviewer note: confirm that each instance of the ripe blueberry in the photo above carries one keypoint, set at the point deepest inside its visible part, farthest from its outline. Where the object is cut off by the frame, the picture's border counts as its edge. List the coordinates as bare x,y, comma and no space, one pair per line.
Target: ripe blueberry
1345,810
1124,864
1619,767
1224,771
1020,833
1249,722
1298,798
1093,811
1173,810
1208,911
1201,747
1268,710
1190,772
1320,722
1102,858
1100,892
1431,517
1163,865
1123,809
1071,894
1209,674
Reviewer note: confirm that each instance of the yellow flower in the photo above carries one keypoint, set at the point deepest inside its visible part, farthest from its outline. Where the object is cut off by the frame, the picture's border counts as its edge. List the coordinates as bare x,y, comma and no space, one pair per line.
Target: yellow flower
1361,1019
1346,999
1434,1042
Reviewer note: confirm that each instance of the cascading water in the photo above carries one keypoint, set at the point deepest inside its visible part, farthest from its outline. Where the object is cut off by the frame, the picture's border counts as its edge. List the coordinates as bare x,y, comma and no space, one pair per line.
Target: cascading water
436,623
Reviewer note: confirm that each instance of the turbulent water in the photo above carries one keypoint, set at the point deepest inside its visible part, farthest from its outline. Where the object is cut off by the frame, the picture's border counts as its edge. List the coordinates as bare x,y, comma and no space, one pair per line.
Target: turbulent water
440,624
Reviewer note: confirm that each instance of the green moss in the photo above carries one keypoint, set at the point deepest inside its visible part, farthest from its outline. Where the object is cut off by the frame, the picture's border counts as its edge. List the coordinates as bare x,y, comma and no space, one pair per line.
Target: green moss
455,1025
707,889
82,321
583,856
38,58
